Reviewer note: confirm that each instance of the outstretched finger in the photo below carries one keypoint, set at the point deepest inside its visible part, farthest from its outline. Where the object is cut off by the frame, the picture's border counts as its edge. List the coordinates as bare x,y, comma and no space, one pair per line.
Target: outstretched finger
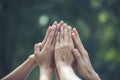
65,32
76,33
55,23
57,40
55,35
69,34
47,33
77,55
81,49
51,35
61,23
61,35
46,36
78,44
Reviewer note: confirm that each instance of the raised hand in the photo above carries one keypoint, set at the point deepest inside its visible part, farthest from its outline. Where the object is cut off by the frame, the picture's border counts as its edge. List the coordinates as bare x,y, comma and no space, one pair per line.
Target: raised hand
83,62
45,56
63,46
62,55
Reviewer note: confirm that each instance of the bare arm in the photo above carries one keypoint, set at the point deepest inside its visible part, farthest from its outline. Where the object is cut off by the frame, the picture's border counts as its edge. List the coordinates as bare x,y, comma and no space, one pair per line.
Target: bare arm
63,56
45,56
84,65
22,72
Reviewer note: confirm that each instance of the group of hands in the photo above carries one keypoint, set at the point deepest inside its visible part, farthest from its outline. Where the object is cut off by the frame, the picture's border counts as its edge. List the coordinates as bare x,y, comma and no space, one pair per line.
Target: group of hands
61,52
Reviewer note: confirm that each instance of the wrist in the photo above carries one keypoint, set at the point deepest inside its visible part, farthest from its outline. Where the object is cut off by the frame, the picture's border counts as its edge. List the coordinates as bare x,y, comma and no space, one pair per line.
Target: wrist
46,73
92,76
32,59
66,72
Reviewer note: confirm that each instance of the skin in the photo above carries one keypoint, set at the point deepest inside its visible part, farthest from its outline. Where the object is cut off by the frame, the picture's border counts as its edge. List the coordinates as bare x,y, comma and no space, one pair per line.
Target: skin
45,56
23,71
57,46
60,24
84,65
62,55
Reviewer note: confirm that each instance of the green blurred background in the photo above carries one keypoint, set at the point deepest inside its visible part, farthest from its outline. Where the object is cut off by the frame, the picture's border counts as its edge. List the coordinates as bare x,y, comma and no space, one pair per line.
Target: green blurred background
24,22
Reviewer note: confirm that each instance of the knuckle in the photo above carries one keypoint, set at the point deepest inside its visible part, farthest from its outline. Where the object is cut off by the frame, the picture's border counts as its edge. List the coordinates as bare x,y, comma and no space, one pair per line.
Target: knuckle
85,53
36,54
36,45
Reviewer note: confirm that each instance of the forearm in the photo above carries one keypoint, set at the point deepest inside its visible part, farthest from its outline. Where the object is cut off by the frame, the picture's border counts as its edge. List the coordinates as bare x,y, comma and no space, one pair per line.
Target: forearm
46,73
67,73
21,72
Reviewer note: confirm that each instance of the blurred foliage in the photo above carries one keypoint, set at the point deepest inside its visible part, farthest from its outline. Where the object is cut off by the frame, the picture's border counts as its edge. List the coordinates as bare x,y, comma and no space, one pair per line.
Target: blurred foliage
24,22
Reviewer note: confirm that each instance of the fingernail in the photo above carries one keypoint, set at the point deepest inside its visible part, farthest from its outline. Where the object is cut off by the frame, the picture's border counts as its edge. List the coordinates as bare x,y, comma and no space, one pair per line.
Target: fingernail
61,21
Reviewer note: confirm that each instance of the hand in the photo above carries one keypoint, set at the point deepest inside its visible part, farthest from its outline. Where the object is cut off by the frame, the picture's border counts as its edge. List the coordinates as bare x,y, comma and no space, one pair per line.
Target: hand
83,62
45,56
63,56
60,24
63,47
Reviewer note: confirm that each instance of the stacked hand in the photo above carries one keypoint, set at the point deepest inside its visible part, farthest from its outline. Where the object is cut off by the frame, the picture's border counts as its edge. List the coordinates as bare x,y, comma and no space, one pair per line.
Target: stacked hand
57,53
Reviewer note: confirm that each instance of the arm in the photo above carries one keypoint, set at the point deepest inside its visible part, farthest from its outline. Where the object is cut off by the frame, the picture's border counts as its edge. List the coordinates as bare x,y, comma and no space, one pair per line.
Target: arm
83,62
66,73
46,73
45,56
63,56
22,72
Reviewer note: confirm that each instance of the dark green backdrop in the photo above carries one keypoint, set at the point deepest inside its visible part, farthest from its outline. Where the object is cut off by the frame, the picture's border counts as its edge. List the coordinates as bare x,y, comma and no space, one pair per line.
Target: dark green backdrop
24,22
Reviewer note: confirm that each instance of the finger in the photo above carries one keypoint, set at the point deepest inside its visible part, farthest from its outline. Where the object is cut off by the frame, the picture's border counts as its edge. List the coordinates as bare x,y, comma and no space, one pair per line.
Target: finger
78,44
57,39
51,35
65,33
47,33
79,60
46,36
61,35
77,55
80,47
55,35
76,33
61,23
69,34
55,23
